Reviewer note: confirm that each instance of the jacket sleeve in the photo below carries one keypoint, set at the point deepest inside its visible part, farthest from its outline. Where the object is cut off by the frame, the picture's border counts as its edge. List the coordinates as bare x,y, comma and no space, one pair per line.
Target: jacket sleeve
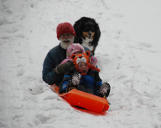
48,74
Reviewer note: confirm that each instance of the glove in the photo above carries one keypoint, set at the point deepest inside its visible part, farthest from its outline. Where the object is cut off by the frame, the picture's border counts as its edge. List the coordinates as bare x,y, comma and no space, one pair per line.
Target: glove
105,89
64,68
76,79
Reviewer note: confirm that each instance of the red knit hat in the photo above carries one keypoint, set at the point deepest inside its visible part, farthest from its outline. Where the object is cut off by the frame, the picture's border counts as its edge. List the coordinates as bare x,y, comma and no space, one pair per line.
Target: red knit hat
63,28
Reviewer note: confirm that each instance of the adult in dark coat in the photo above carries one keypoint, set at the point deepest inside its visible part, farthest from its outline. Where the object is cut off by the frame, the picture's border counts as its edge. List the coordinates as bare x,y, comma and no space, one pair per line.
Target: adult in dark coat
53,73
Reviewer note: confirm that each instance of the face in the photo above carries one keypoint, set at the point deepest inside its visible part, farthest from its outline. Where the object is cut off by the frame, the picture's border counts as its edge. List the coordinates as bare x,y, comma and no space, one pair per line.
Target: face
83,67
82,63
67,38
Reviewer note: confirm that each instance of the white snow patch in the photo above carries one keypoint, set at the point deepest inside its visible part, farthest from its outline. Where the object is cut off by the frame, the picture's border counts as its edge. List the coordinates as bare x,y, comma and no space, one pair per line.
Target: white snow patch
129,53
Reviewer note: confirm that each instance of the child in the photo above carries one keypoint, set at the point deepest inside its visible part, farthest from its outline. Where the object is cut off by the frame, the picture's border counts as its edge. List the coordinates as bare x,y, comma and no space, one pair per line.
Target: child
84,74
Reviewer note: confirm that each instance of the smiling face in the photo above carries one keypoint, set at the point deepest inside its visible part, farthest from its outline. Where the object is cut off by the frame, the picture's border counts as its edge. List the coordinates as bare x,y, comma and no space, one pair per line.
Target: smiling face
66,39
81,62
83,67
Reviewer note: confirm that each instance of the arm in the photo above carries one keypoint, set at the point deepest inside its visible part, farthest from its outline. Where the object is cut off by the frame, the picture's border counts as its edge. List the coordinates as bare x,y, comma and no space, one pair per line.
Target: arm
49,75
53,71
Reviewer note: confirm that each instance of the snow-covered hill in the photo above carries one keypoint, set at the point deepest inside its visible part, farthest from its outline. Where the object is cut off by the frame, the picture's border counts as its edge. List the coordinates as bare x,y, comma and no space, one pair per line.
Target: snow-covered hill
129,54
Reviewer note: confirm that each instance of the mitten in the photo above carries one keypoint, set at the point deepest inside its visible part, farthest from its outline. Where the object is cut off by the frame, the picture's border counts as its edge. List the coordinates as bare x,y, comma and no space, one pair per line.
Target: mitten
76,79
64,68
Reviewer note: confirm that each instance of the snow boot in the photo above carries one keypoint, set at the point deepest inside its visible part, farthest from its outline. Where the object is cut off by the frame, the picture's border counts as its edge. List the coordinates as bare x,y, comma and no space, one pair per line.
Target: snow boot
104,90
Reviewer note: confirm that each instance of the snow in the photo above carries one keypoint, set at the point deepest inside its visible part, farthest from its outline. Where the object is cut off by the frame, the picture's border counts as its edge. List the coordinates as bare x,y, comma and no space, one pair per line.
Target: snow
128,54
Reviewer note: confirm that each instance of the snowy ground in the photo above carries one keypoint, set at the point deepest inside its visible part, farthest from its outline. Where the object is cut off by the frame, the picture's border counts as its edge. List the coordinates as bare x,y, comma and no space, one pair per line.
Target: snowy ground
128,51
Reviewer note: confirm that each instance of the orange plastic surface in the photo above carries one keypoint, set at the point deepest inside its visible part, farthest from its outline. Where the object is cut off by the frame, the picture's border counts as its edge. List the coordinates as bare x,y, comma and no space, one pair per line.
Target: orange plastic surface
84,101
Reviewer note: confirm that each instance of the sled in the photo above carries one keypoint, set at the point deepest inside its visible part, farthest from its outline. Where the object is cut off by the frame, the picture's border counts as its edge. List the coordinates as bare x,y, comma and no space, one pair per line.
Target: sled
84,101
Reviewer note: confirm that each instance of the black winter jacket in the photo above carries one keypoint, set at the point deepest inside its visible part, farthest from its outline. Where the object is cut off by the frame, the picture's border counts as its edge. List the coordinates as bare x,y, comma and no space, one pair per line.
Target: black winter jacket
54,57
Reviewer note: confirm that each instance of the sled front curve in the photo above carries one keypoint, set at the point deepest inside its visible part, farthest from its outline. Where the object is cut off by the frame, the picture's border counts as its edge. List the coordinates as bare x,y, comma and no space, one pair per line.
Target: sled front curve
83,100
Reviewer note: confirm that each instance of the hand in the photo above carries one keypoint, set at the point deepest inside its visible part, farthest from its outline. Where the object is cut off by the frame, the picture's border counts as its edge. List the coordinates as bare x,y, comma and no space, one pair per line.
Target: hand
76,79
64,68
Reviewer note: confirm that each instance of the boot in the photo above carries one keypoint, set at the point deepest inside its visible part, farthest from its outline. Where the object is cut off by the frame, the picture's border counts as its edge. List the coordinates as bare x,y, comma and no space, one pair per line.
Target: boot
104,90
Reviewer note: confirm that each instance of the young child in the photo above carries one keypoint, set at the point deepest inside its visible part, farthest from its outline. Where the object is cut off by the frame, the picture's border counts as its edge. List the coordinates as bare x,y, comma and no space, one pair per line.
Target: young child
84,74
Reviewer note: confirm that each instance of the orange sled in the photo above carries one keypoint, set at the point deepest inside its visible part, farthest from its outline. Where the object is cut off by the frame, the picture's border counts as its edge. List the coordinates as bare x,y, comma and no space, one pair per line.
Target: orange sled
84,101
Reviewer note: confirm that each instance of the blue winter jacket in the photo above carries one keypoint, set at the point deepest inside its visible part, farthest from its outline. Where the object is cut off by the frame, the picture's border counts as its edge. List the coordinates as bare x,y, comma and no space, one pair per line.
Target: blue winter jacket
90,82
53,58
